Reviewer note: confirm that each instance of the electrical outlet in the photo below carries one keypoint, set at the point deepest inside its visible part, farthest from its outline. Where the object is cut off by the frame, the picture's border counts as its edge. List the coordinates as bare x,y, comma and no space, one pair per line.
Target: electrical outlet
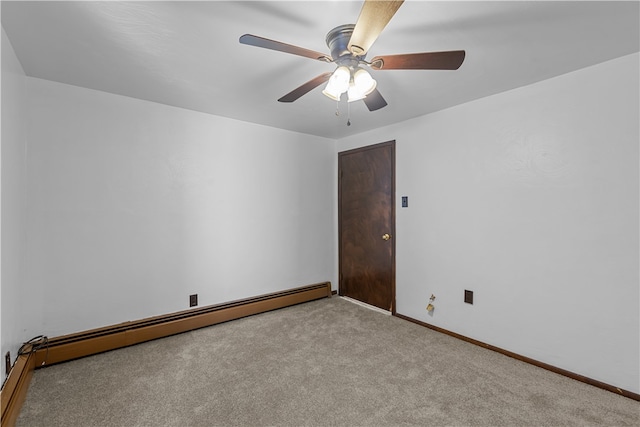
468,297
193,300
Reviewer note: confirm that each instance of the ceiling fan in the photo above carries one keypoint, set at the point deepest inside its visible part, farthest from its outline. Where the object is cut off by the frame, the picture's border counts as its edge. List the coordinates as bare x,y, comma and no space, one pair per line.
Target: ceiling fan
349,45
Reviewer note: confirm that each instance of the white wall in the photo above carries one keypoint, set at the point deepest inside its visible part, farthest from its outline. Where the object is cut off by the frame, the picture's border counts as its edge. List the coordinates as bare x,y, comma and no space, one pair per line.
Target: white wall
530,199
17,302
133,206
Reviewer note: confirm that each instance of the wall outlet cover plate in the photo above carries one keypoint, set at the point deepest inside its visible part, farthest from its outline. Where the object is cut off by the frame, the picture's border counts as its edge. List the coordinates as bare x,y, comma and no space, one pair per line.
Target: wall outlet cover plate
468,297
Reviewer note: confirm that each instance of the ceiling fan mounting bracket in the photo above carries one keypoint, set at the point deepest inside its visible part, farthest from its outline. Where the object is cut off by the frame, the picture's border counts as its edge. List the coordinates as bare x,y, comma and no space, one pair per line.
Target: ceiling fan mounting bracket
357,50
377,63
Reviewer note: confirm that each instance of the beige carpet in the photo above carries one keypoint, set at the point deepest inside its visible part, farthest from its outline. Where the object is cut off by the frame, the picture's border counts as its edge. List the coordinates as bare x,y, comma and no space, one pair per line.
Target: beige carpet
324,363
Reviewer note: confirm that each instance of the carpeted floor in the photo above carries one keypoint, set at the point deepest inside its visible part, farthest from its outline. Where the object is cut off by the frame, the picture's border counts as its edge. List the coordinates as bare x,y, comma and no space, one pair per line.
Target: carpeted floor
324,363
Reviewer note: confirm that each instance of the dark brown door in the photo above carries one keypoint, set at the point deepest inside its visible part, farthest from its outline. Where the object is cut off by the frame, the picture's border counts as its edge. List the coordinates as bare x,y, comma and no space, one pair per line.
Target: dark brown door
366,217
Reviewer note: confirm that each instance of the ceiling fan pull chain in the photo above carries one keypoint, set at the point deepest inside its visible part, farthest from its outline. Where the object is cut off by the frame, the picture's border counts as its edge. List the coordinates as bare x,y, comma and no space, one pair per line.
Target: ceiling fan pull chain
337,107
348,114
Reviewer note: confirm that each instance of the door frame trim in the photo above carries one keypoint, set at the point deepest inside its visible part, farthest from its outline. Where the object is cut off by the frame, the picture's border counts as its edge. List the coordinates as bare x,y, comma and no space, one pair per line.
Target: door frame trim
392,144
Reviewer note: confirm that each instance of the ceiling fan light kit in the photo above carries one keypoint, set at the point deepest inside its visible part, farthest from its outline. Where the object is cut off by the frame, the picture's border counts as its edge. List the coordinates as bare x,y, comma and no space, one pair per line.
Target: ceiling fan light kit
349,45
356,83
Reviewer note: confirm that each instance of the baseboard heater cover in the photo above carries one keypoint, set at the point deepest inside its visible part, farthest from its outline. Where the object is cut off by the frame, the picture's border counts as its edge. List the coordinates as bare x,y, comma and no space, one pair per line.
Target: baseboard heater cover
14,389
564,372
74,346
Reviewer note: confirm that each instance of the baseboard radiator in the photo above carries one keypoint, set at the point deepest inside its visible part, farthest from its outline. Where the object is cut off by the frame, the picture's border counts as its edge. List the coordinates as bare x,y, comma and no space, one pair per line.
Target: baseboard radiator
14,390
74,346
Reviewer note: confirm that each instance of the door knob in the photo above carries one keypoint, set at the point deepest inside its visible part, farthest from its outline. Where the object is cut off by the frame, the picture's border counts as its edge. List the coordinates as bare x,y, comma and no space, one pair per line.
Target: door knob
386,236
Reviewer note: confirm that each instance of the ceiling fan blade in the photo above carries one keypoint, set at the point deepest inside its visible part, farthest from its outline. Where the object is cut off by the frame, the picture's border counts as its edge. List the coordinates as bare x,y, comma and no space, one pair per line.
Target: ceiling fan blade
308,86
257,41
374,101
450,60
374,16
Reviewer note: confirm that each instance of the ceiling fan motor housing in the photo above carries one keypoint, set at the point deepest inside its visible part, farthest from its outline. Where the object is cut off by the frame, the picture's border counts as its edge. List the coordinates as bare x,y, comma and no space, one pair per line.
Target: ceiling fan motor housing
337,41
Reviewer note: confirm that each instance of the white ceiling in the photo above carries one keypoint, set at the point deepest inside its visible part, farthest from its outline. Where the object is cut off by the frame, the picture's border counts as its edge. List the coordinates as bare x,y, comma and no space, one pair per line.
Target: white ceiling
187,54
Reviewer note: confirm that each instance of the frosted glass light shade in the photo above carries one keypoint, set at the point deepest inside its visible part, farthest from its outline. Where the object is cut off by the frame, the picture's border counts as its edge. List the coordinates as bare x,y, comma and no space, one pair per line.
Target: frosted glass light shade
354,94
361,86
338,83
364,82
